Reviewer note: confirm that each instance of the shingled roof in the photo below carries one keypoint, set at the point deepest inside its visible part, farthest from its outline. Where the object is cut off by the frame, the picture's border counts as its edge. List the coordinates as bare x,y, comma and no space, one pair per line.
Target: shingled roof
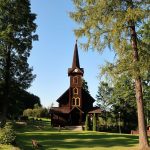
65,94
58,110
95,110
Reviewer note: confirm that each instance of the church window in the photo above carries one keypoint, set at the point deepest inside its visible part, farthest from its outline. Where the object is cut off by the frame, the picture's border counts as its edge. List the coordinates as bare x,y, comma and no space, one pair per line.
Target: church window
75,91
73,101
77,101
75,80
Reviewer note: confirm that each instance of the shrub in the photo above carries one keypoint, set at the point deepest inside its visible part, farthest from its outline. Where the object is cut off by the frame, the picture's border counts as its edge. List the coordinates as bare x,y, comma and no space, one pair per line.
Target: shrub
7,134
23,118
94,123
87,123
28,112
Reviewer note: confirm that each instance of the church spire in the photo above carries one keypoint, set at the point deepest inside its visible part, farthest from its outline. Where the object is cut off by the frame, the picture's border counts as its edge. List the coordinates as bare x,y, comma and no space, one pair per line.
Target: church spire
76,62
75,69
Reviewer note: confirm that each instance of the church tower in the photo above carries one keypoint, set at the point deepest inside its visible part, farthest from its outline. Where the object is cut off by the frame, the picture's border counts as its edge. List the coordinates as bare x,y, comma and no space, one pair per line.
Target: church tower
75,73
75,102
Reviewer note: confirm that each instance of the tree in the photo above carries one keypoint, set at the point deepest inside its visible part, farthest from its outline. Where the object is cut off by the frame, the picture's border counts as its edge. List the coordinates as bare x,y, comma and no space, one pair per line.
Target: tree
16,35
146,97
123,101
28,112
85,85
37,111
106,23
21,100
104,97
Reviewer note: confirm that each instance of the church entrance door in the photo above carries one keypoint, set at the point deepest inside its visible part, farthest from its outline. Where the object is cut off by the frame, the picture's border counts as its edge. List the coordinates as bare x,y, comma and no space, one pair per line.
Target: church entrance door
76,117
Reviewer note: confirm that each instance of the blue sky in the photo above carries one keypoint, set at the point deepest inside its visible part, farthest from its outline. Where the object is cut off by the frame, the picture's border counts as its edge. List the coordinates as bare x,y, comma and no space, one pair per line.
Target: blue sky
51,56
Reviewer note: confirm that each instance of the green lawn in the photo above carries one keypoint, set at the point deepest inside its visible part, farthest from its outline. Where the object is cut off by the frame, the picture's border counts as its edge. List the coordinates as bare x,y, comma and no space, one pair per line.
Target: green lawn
8,147
51,139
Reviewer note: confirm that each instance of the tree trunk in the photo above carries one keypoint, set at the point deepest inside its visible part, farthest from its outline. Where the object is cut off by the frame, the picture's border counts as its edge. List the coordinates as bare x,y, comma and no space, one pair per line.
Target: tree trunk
143,139
3,115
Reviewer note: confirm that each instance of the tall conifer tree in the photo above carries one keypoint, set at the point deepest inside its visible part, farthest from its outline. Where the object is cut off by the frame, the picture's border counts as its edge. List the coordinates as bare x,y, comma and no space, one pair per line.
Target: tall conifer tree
116,24
16,35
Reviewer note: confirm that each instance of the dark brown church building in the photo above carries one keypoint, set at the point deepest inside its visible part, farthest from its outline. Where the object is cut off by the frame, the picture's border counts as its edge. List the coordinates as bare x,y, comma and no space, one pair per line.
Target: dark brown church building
75,103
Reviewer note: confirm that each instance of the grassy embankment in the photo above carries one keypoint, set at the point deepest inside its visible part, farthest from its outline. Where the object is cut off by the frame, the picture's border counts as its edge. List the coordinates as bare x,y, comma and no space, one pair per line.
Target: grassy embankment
52,139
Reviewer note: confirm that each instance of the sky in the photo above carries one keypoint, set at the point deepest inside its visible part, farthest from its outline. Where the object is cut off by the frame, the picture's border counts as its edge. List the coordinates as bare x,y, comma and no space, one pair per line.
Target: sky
52,55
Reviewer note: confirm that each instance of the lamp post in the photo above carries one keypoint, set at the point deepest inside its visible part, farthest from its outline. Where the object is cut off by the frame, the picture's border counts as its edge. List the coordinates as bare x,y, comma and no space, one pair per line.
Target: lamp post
119,123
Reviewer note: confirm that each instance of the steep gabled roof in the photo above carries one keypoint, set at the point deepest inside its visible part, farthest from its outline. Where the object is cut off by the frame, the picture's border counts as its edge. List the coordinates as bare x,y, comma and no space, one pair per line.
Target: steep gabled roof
65,94
58,110
87,95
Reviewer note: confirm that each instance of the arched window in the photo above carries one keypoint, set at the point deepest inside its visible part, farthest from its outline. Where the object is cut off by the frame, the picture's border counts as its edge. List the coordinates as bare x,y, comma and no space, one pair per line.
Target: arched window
73,101
75,80
77,101
75,91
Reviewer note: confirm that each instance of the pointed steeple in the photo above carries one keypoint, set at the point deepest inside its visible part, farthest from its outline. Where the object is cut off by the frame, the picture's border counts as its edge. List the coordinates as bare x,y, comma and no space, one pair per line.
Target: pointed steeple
76,62
75,69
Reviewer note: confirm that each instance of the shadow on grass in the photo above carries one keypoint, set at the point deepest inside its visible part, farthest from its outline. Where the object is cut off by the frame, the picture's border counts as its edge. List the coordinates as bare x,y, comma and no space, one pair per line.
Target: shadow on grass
51,139
68,140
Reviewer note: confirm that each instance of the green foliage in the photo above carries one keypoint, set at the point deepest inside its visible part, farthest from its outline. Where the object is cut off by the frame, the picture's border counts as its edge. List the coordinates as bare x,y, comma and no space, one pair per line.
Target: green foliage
45,113
20,101
85,85
16,35
107,24
28,113
120,98
118,25
36,112
146,96
104,96
87,123
7,134
17,30
94,122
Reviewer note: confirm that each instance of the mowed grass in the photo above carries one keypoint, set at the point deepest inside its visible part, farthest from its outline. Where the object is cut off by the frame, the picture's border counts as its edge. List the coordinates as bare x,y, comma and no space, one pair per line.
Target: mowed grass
52,139
8,147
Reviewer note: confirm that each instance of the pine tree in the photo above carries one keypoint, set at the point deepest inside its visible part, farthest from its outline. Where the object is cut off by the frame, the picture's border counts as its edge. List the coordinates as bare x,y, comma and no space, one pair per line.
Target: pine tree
104,95
106,23
16,35
85,85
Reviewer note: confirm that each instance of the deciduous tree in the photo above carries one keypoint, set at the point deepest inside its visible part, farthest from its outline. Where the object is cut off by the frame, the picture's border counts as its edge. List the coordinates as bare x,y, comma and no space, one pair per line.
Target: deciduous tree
106,23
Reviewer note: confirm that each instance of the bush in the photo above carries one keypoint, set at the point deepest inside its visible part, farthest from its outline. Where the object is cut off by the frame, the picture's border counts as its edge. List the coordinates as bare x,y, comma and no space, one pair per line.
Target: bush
23,118
87,123
94,123
7,134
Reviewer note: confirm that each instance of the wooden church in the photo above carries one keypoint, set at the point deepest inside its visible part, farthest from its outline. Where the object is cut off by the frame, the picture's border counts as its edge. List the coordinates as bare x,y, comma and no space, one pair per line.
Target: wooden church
75,103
